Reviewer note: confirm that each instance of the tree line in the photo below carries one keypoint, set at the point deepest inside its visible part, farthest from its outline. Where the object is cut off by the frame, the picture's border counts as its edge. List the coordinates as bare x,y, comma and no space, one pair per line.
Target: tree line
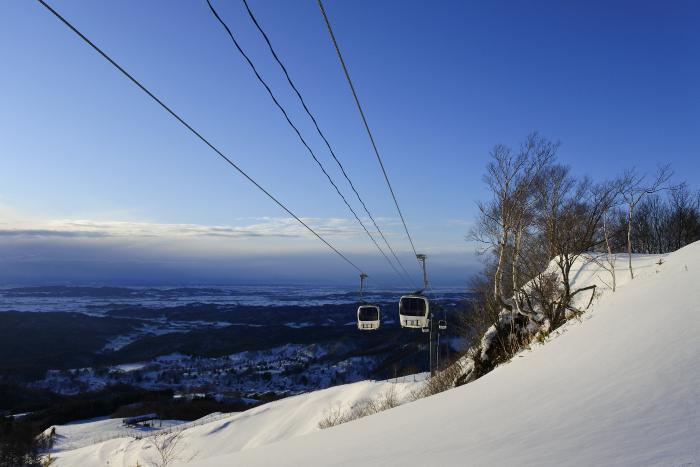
541,220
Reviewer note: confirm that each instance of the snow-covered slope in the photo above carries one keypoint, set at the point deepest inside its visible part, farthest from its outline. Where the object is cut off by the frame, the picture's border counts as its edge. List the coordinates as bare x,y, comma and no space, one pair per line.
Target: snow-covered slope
85,432
260,426
620,388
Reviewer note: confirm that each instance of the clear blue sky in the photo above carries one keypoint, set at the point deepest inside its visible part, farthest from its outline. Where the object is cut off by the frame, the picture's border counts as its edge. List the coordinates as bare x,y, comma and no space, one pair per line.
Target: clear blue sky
618,83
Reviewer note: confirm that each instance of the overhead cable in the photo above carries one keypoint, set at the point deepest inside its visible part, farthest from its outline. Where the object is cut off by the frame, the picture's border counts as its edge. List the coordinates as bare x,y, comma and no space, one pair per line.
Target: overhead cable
298,133
364,120
322,135
196,133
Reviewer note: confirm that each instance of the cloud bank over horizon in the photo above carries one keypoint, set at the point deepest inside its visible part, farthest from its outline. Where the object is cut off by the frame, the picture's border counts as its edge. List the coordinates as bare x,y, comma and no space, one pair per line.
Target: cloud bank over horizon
257,250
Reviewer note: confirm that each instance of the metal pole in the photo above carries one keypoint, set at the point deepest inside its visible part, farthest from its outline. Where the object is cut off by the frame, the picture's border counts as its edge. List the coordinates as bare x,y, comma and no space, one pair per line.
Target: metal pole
363,276
437,360
448,339
432,346
422,258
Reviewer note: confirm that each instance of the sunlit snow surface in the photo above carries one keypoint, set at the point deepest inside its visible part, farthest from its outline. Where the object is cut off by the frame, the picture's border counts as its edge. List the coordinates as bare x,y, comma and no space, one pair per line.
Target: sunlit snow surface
107,442
85,432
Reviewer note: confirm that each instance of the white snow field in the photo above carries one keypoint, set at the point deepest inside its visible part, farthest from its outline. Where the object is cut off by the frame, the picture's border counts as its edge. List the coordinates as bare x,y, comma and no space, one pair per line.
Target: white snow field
269,423
85,432
619,387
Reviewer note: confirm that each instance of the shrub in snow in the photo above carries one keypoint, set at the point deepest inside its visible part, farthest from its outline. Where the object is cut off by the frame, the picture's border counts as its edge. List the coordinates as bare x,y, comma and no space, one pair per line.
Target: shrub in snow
168,448
338,414
454,375
333,416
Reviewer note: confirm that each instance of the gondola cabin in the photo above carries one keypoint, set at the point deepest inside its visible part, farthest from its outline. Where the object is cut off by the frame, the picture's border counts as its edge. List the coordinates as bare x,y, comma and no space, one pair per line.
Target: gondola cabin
413,311
368,317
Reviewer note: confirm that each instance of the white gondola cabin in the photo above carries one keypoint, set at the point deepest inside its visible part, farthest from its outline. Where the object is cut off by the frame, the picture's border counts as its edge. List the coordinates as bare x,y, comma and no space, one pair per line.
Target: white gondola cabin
414,311
368,317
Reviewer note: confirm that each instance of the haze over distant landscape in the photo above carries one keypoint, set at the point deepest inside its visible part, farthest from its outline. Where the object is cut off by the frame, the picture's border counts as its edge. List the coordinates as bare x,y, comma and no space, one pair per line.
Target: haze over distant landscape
266,250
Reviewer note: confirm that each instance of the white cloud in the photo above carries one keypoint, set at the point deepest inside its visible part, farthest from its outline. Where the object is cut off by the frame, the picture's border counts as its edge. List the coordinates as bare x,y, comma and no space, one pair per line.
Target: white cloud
35,251
266,228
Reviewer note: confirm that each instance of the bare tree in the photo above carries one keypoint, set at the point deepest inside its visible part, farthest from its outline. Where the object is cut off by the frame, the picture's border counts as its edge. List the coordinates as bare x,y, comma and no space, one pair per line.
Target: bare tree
609,231
633,187
503,221
666,223
606,259
541,153
684,217
610,257
571,215
483,311
539,225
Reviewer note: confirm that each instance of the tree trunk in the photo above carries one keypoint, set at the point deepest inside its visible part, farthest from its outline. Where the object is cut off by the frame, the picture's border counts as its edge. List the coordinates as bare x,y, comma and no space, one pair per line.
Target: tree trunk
498,277
514,268
611,258
629,239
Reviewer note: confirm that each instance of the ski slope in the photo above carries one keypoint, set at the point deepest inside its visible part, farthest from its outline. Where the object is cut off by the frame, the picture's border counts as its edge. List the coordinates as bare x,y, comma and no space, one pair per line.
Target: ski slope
619,387
269,423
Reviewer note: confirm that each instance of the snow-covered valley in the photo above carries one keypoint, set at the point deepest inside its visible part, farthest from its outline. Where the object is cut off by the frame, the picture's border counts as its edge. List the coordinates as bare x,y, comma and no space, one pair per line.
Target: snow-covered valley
222,351
286,369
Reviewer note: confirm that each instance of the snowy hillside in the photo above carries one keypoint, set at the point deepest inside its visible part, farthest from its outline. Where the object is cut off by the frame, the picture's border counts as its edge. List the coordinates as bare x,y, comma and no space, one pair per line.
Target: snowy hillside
82,444
619,387
85,432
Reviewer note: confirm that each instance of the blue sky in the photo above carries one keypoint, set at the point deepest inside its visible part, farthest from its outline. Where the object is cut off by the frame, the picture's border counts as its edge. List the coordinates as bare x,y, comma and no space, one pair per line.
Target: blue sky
98,184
